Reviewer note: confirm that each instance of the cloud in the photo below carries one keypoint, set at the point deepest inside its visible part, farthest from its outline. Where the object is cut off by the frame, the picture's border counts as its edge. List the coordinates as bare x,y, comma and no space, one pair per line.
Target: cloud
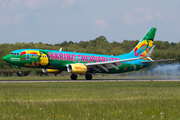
13,4
8,20
100,25
18,19
159,16
5,20
33,4
3,5
67,3
21,34
27,4
138,16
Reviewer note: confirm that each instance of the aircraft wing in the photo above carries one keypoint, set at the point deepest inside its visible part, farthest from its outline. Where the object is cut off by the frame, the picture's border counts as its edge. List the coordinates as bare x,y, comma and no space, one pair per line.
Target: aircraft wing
108,64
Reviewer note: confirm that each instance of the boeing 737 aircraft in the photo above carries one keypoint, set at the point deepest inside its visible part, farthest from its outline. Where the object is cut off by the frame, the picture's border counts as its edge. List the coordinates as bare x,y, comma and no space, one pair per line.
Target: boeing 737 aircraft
84,63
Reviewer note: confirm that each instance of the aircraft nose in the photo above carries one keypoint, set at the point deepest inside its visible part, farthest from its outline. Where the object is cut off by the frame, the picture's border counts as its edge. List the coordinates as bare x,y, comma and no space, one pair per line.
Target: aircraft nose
6,58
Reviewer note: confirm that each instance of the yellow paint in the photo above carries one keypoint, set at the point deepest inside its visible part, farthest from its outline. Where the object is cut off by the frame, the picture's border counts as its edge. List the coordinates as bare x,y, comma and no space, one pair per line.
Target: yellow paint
34,51
141,66
143,54
79,69
44,59
53,71
143,42
150,44
27,64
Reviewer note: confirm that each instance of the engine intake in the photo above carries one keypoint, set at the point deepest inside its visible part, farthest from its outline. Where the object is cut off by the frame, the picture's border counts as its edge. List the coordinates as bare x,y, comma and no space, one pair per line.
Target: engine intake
77,68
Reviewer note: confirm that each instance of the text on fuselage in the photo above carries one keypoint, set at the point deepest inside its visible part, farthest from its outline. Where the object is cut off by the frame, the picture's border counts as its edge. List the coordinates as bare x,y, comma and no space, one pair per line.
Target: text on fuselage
81,58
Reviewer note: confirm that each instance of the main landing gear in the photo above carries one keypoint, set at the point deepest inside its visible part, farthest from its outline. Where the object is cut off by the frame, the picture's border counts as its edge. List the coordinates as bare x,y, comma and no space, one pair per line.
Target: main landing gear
87,76
73,77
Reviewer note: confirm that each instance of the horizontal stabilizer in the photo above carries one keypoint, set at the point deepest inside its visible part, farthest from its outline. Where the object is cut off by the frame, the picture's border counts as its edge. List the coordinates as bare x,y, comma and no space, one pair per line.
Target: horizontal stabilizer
163,60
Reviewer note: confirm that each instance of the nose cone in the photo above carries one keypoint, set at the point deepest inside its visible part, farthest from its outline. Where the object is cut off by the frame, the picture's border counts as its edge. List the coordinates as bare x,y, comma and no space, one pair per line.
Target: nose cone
6,58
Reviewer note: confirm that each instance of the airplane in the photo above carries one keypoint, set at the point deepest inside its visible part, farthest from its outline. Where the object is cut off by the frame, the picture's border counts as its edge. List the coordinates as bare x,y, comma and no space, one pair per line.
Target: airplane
52,61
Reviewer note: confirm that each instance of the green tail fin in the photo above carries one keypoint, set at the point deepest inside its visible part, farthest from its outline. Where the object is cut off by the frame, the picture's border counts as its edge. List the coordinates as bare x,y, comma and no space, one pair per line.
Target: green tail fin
150,35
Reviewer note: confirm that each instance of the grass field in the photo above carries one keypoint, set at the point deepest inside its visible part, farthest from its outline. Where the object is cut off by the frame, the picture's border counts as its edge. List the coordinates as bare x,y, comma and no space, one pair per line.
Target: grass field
90,100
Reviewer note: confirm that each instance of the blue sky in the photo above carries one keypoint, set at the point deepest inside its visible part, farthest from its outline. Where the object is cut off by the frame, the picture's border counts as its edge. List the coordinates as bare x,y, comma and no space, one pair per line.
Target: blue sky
54,21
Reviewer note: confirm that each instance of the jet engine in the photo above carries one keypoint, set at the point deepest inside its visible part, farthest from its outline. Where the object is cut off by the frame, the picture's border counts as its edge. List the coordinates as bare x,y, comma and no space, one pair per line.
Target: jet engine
77,68
56,71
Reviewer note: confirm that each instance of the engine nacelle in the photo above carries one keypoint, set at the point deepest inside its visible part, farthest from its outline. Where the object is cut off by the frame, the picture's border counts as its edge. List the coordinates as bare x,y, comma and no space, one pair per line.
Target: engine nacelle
77,68
56,71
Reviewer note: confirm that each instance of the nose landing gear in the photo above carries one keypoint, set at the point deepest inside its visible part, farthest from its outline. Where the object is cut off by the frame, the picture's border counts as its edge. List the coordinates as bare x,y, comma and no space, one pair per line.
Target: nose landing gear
19,73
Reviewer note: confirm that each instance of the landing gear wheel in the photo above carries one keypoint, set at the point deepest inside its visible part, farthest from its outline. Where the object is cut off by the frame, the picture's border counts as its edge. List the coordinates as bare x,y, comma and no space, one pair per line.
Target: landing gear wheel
88,77
19,73
73,77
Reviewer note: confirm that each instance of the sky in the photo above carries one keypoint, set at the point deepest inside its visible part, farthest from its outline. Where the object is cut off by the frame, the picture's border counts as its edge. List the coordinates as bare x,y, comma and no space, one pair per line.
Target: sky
54,21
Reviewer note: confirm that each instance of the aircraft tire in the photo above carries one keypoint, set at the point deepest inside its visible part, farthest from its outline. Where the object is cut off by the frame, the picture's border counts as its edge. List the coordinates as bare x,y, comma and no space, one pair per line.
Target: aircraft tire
19,73
88,77
73,77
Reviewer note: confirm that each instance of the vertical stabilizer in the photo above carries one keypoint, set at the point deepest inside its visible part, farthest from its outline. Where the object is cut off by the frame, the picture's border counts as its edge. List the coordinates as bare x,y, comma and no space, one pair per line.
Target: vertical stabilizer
145,45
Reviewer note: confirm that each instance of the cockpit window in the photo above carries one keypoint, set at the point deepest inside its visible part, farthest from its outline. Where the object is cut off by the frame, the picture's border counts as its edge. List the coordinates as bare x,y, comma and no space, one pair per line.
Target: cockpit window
14,53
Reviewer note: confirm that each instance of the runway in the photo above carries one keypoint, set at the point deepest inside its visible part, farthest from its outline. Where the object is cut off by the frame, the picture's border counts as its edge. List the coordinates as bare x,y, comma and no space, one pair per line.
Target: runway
94,80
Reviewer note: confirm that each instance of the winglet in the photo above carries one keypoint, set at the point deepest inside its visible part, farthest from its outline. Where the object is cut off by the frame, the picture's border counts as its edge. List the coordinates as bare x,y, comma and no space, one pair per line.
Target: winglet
150,51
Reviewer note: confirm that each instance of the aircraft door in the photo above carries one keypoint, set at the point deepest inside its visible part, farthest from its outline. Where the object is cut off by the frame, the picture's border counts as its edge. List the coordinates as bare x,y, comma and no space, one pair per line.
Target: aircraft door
132,65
